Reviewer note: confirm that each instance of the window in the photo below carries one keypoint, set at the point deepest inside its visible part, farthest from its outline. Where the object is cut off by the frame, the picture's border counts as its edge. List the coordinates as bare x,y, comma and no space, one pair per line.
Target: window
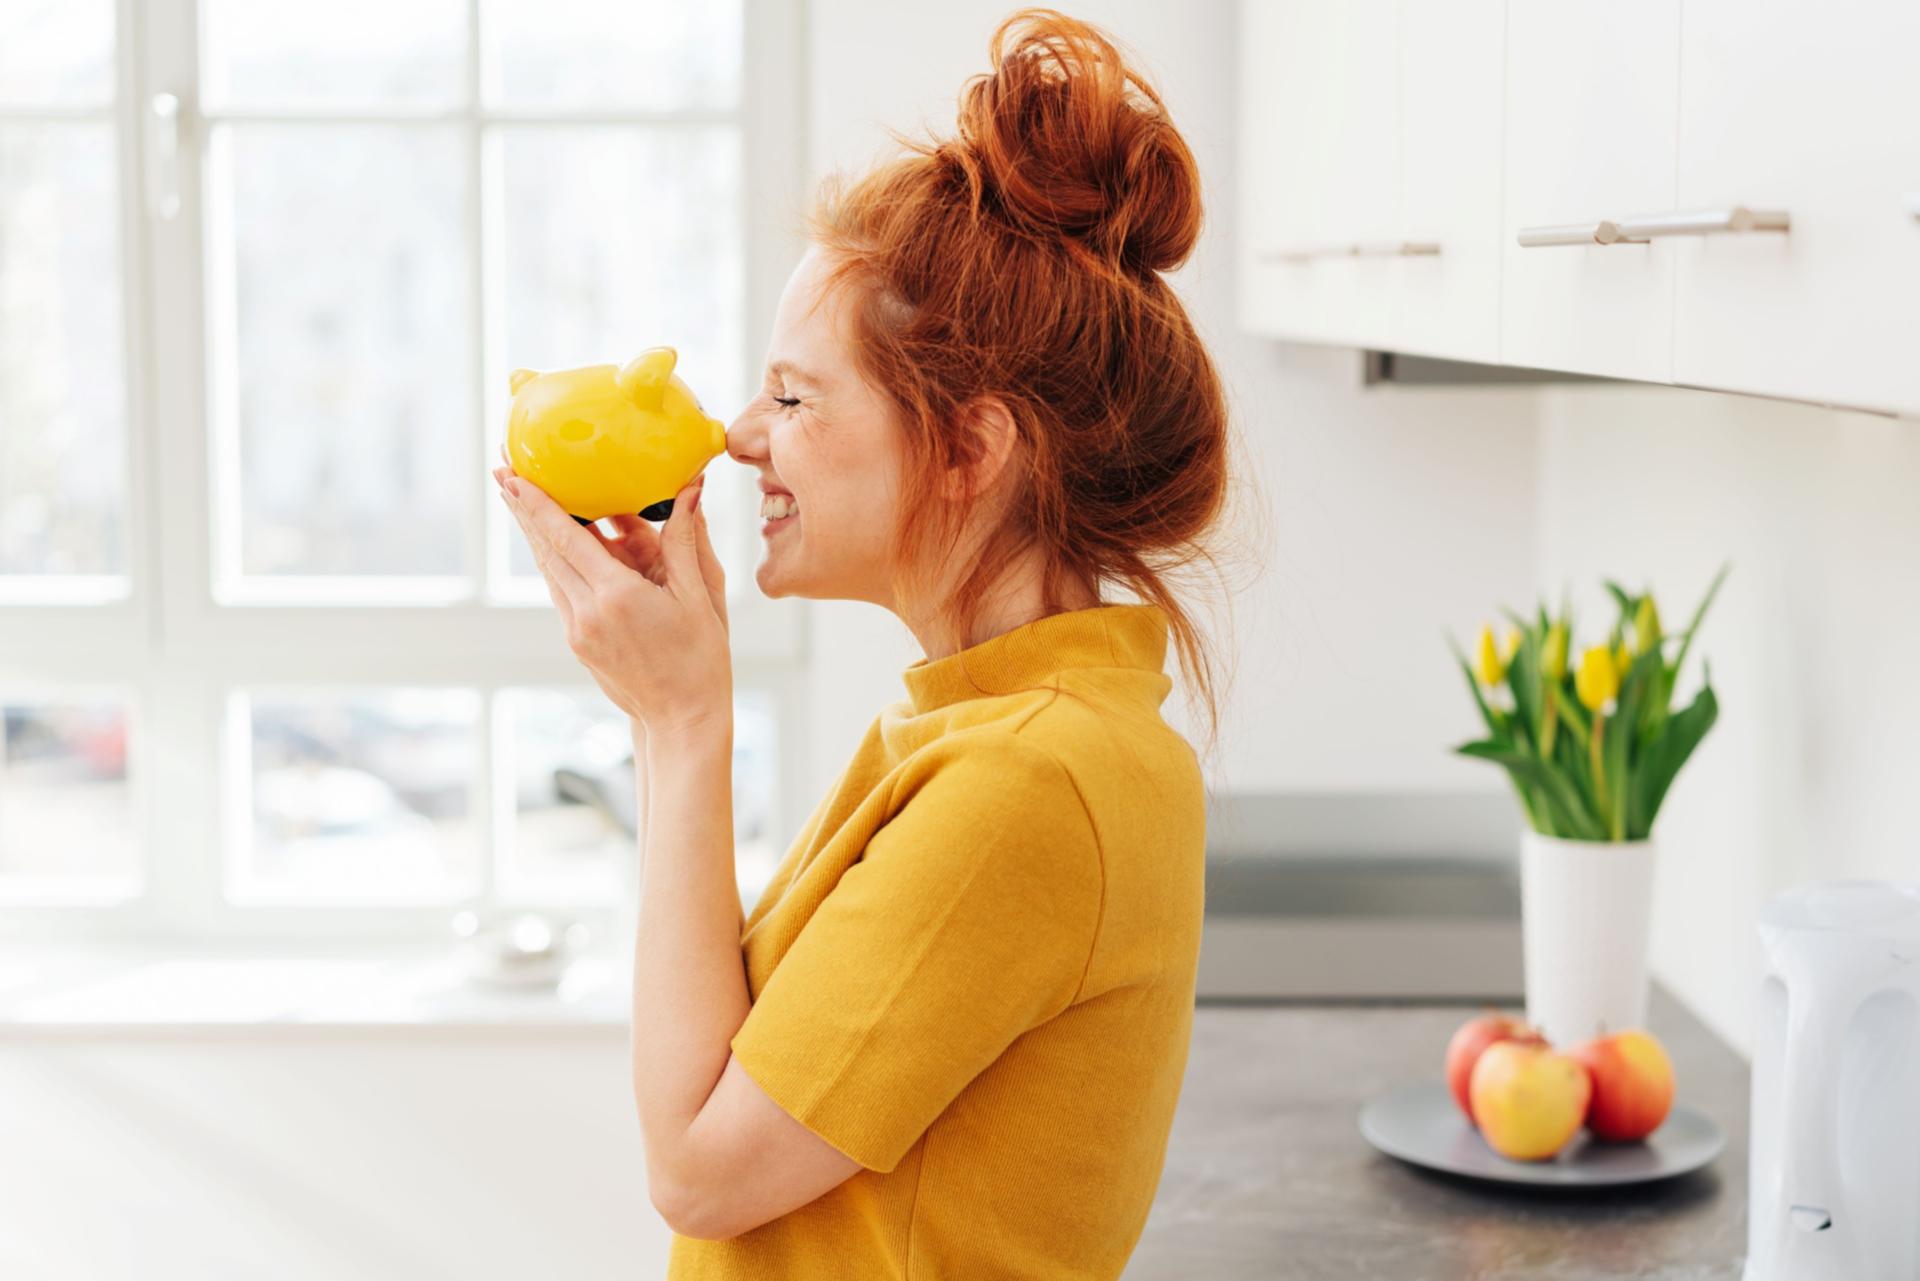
272,657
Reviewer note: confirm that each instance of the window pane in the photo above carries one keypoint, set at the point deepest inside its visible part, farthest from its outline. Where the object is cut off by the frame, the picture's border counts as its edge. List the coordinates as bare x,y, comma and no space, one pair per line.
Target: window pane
352,329
362,795
62,417
65,810
358,53
617,239
650,55
56,52
568,756
756,780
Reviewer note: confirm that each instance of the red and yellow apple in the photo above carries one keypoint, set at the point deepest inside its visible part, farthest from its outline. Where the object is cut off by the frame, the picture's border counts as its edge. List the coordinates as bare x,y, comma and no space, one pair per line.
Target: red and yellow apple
1471,1040
1528,1099
1632,1084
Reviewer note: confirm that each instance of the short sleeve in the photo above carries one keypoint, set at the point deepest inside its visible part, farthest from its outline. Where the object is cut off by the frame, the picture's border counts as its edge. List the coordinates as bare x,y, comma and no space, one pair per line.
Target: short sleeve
968,920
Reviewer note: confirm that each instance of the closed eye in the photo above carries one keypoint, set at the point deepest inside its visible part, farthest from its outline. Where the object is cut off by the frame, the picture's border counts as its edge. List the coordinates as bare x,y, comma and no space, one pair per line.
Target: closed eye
786,401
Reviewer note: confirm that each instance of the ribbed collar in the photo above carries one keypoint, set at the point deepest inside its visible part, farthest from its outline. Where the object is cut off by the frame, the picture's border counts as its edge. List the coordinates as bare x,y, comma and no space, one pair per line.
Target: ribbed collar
1033,654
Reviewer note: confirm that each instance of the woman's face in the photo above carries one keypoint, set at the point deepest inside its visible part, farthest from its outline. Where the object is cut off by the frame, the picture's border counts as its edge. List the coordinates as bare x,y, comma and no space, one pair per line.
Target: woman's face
828,445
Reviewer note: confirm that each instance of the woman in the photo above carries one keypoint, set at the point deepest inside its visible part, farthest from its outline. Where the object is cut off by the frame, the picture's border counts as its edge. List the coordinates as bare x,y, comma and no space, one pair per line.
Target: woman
950,1037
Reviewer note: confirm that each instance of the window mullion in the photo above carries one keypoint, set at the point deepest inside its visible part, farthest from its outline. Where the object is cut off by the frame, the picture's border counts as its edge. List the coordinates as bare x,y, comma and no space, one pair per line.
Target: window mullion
185,701
485,778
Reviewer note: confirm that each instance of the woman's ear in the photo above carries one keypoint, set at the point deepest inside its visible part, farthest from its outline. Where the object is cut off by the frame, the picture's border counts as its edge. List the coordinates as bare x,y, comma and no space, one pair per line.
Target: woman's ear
990,434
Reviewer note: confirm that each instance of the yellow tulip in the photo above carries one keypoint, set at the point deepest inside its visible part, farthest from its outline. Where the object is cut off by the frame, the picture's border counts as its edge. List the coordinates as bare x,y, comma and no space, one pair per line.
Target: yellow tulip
1487,663
1646,625
1553,653
1622,661
1598,680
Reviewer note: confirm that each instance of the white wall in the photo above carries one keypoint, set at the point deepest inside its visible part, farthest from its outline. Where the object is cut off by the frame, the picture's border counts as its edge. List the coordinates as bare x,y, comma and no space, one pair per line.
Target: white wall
1391,513
1810,771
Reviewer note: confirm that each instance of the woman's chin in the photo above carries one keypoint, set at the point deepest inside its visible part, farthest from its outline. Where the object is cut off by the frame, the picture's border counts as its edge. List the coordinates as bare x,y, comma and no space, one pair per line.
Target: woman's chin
772,579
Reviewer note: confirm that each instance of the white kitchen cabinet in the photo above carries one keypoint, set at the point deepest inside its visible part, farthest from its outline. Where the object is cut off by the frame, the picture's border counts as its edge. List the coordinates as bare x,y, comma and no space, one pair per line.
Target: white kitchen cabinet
1452,80
1370,154
1591,118
1815,111
1715,193
1318,91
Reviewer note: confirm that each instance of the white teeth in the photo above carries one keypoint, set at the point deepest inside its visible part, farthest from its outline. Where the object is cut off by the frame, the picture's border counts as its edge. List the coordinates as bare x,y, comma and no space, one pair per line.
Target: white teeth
775,506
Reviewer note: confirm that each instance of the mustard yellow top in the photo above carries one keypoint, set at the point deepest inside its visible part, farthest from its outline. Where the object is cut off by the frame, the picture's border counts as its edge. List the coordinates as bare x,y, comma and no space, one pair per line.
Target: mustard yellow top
973,972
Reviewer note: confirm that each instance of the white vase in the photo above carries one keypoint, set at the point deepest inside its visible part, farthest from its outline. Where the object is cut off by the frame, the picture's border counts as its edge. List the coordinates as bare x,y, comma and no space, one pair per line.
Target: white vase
1585,912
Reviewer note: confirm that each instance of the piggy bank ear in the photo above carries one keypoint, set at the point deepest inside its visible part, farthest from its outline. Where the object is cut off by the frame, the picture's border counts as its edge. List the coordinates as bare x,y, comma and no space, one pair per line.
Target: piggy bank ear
645,376
520,378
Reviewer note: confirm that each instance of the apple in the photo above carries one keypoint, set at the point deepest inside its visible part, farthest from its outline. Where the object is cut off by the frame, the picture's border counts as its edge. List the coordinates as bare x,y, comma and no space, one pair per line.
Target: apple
1632,1084
1471,1039
1528,1099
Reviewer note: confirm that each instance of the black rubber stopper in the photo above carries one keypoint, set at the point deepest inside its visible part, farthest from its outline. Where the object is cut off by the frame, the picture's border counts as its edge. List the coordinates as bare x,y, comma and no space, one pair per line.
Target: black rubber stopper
656,512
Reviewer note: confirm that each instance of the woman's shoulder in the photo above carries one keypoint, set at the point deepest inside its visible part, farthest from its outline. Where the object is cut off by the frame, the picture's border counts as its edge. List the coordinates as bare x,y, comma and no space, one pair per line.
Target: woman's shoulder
1117,758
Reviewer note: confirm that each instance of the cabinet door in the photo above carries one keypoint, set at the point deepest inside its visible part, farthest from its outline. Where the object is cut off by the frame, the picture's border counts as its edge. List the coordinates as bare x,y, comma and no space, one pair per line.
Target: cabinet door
1319,163
1452,77
1591,115
1814,110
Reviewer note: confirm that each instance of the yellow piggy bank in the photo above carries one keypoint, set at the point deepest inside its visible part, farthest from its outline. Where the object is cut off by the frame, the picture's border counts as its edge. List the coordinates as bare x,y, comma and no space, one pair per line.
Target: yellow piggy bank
606,439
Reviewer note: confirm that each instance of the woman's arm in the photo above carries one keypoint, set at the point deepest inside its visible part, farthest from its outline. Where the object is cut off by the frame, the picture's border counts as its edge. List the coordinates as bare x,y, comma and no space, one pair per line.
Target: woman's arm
689,980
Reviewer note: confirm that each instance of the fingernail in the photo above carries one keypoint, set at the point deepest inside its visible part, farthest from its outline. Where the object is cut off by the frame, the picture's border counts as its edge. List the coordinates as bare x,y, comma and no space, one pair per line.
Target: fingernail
513,487
693,504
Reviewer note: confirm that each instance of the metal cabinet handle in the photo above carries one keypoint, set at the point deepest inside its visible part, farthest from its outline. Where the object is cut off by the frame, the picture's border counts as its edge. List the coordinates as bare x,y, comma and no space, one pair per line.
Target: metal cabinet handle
1396,249
163,172
1301,255
1604,232
1706,222
1359,249
1637,231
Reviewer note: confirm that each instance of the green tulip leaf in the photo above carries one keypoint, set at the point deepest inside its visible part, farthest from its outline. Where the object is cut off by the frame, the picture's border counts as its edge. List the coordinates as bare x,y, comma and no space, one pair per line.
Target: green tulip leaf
1661,759
1693,626
1561,799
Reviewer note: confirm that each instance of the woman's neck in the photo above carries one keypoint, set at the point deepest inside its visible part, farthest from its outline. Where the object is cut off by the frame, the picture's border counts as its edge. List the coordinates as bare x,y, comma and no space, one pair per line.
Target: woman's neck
1014,600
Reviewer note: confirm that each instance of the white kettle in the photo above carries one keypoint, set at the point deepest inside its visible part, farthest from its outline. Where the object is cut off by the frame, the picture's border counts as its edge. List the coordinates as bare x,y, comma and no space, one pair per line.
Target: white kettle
1834,1190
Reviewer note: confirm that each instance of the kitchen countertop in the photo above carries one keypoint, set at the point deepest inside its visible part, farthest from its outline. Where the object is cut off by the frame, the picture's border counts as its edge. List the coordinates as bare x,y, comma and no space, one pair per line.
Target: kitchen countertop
1267,1174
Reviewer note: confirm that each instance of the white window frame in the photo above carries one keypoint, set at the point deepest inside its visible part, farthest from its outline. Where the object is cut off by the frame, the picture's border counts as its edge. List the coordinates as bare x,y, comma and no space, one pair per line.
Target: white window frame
179,651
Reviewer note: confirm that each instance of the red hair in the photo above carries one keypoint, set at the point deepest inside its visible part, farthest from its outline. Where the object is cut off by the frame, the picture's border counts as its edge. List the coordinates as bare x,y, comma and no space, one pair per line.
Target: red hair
1021,260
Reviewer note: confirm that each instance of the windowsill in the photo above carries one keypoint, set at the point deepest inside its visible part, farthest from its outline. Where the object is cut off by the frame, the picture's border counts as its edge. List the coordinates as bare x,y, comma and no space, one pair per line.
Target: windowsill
177,991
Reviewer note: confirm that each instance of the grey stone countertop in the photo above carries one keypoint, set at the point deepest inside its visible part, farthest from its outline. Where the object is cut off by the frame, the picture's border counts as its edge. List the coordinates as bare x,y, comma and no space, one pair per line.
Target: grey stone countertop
1267,1174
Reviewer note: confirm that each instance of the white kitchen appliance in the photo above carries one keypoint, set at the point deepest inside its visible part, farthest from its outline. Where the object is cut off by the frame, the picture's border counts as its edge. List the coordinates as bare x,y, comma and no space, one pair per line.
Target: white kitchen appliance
1834,1192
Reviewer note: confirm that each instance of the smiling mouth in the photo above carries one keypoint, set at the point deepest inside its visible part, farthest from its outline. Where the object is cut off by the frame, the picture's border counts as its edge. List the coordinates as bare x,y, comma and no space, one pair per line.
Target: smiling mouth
775,508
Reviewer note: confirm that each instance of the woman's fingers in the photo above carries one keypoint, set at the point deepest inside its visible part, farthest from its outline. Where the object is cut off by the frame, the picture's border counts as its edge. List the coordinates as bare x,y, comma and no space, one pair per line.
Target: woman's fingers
678,545
560,601
711,572
536,523
636,548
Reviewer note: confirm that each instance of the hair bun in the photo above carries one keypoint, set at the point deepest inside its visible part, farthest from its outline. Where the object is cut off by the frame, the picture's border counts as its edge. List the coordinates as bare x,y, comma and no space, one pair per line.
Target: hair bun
1059,144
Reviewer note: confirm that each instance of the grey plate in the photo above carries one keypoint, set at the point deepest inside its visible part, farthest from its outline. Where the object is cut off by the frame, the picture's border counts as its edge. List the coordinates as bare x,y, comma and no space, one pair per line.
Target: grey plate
1419,1122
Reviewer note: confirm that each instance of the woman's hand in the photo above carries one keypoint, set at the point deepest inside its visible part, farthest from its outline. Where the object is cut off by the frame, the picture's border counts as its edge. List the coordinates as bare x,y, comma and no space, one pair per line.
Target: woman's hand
645,612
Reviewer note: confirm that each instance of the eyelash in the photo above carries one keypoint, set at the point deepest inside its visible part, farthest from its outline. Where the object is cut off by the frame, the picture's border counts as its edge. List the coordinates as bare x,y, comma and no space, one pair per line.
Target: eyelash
787,402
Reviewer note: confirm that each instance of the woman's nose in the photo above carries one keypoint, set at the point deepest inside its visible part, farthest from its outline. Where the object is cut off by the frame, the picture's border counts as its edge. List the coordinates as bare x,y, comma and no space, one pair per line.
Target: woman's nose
747,439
